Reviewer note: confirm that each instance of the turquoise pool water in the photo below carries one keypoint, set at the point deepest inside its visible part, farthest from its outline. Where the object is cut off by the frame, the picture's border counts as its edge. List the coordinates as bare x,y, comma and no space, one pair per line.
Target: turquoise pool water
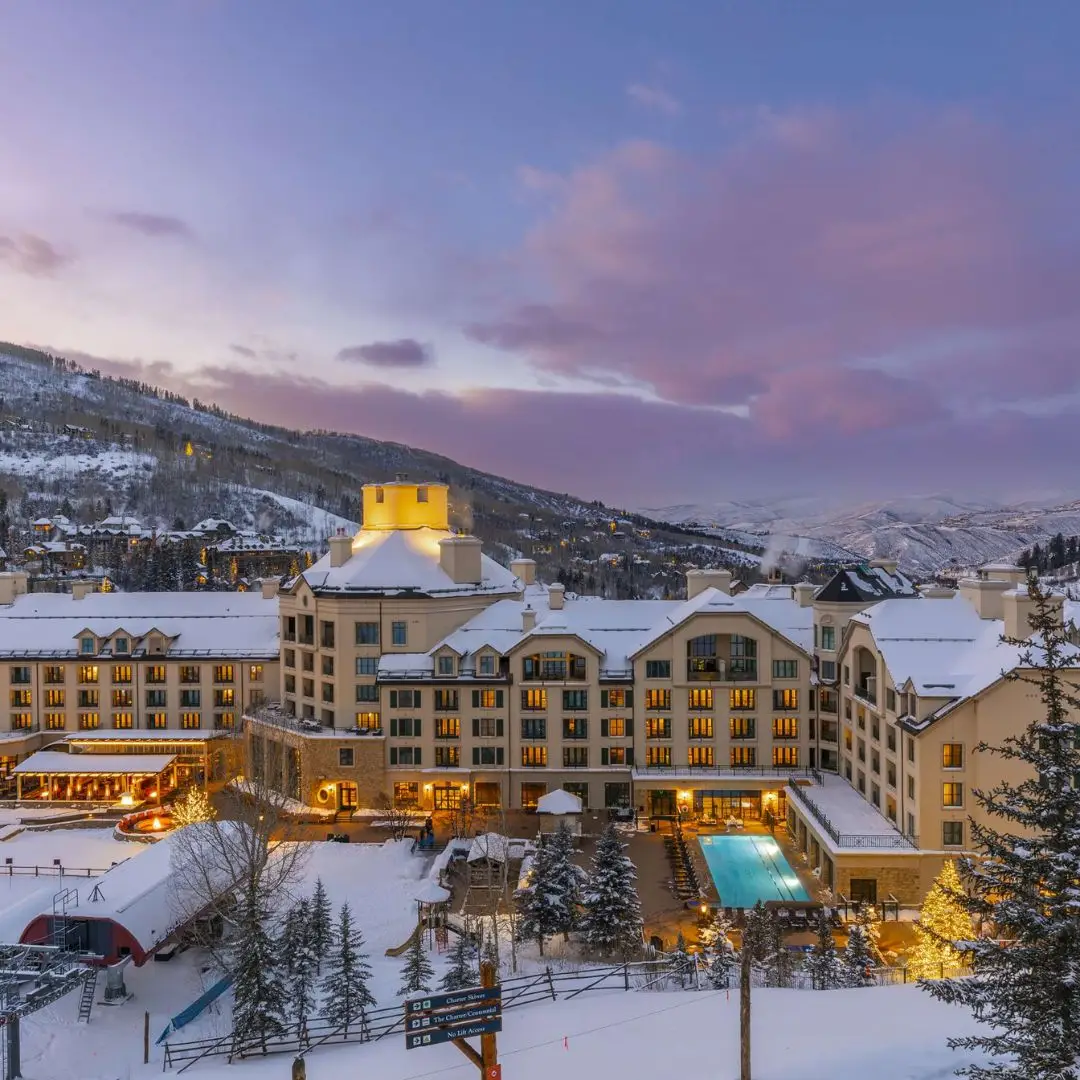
746,869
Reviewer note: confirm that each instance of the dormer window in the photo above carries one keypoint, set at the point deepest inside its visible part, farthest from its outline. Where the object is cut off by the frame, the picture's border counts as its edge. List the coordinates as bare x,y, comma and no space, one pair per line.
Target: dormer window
421,494
486,664
121,646
446,665
87,646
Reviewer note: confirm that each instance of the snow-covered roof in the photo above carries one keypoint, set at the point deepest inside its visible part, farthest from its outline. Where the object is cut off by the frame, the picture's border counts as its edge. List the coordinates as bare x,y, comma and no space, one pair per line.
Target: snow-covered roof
211,624
558,801
490,845
406,663
164,735
849,813
57,763
866,583
403,560
209,525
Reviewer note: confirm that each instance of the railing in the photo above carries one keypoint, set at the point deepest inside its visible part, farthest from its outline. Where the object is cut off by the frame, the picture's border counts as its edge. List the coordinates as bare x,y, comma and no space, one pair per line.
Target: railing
726,770
862,692
10,870
860,841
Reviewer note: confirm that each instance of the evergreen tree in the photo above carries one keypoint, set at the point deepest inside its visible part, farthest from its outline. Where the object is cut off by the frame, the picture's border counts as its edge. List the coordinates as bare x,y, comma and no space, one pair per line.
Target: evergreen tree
858,959
612,910
823,965
417,972
542,901
191,808
259,994
567,878
346,988
943,920
682,963
322,922
1023,883
462,970
866,914
720,955
300,963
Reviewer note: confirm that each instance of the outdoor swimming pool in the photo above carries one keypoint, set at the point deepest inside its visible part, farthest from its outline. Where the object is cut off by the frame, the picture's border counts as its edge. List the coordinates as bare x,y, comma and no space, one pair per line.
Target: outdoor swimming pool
746,869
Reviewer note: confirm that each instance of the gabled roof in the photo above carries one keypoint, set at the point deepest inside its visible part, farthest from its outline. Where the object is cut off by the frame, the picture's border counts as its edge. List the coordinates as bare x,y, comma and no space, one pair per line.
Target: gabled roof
864,583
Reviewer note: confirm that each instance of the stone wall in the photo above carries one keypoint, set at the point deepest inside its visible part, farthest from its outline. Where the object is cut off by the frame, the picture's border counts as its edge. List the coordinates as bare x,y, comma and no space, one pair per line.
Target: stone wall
322,769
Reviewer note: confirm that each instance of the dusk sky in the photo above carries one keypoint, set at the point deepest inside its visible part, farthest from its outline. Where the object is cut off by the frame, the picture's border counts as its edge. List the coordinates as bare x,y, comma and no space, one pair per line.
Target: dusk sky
650,252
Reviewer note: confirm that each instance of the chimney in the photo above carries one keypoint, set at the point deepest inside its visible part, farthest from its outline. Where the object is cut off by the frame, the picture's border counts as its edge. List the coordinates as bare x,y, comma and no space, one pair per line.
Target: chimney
888,565
985,596
697,581
776,576
528,620
81,589
524,570
269,586
340,548
936,592
804,593
556,596
459,557
1015,575
1019,607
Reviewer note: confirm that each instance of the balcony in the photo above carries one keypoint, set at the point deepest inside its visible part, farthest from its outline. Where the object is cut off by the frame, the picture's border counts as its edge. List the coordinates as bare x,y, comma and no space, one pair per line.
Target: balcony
718,670
866,691
839,810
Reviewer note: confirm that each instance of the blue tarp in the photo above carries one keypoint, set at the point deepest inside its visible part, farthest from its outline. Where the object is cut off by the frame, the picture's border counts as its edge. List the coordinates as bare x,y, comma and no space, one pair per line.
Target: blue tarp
185,1016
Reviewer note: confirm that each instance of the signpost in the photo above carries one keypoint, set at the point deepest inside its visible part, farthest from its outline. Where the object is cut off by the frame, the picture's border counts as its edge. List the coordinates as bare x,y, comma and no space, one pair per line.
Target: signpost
457,1016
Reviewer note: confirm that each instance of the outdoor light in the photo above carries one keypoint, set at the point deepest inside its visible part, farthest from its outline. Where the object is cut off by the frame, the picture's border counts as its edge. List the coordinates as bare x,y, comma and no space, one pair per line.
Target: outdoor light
156,824
126,799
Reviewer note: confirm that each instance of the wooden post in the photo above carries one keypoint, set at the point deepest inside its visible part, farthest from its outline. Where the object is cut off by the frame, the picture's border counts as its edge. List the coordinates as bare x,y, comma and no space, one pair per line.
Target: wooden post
146,1038
299,1069
744,1007
489,1053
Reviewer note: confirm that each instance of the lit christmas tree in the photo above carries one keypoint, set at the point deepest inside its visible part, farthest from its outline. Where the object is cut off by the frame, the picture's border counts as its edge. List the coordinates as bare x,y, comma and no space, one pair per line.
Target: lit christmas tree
191,808
942,921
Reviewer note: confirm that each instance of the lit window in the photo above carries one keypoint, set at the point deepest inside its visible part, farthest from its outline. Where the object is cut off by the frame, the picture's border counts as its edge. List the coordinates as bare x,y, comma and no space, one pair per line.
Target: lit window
700,727
952,755
741,698
700,756
952,794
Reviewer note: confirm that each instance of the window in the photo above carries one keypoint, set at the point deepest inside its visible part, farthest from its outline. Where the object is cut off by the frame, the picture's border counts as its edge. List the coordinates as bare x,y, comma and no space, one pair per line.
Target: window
21,699
255,673
22,721
399,633
575,757
446,665
190,699
307,630
446,701
290,684
554,665
328,691
88,673
405,755
827,669
613,755
875,762
575,700
486,664
911,787
533,699
575,727
368,721
890,774
533,757
406,727
952,755
328,666
380,495
658,757
785,727
155,674
487,755
157,720
54,699
613,727
367,665
326,635
890,699
618,698
875,729
123,699
89,699
223,673
657,669
55,721
224,721
190,673
952,794
224,698
421,494
890,738
700,727
447,727
657,727
741,698
87,646
911,750
122,720
190,720
828,638
367,692
89,721
448,757
742,727
367,633
847,675
20,676
864,890
54,673
657,699
785,669
345,757
952,834
533,727
487,727
405,699
700,755
785,699
785,757
742,757
487,699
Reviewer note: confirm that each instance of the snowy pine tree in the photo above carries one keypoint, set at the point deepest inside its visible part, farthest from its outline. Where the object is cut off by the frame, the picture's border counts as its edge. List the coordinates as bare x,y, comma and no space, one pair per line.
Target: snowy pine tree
346,988
612,910
259,994
322,922
543,901
867,916
417,972
462,971
718,952
824,967
301,964
1025,882
682,963
567,879
943,922
858,959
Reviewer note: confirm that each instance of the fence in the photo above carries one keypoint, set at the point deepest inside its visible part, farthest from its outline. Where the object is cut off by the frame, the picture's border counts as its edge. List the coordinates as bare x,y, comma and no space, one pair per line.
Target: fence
868,841
672,973
10,870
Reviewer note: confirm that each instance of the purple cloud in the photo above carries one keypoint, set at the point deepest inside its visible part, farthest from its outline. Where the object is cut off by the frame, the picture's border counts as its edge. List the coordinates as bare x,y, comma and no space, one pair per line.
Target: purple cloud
31,254
654,98
404,353
244,351
154,225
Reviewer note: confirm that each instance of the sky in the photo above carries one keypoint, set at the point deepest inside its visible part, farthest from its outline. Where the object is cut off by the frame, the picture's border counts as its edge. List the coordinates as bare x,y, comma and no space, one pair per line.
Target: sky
646,252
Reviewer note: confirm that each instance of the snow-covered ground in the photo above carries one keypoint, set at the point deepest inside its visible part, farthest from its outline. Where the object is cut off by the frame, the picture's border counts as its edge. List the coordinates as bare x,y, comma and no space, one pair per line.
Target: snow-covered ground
59,463
320,524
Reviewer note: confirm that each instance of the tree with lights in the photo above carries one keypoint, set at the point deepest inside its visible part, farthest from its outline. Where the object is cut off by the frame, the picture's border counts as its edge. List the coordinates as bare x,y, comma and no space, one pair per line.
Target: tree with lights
943,920
192,807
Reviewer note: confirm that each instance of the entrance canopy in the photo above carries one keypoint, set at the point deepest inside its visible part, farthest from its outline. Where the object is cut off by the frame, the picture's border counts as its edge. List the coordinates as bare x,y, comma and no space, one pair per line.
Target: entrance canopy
55,763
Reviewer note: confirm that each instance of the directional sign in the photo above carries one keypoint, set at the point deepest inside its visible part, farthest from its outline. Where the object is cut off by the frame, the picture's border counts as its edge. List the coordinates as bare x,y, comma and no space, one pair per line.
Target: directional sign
472,996
455,1016
435,1035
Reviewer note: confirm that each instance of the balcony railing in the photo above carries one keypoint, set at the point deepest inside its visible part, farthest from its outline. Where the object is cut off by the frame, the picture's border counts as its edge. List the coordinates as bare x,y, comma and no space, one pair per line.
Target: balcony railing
864,841
863,693
722,672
